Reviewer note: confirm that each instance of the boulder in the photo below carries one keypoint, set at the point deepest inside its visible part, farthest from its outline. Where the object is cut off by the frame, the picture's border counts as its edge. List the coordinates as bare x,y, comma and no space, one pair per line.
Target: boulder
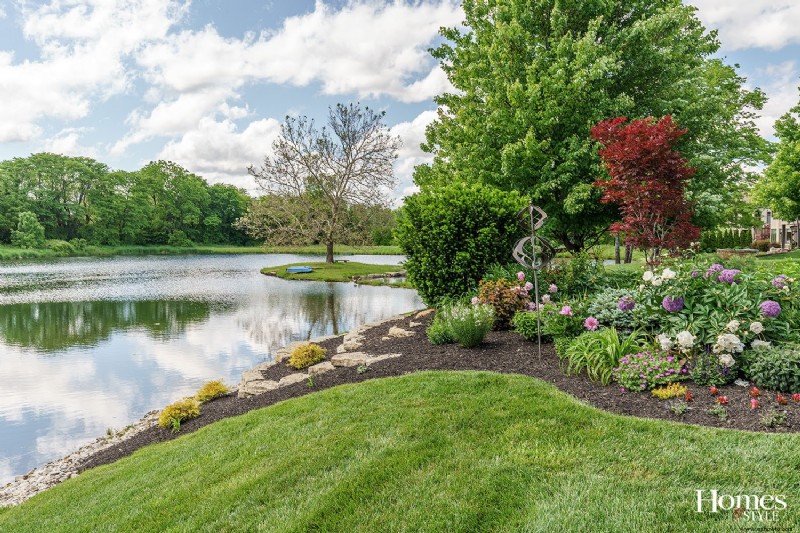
396,333
424,313
256,387
291,379
320,368
374,359
349,359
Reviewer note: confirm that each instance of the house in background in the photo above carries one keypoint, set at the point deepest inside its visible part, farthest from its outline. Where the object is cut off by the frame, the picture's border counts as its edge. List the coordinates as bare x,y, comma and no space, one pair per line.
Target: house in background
782,232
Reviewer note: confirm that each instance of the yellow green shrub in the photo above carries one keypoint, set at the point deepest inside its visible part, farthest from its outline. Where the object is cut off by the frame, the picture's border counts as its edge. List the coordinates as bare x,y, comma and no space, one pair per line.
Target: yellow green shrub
178,412
673,390
211,390
306,355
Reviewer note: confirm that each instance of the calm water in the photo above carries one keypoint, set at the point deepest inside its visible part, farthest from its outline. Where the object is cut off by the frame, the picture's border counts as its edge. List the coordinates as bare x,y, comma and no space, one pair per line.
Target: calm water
88,344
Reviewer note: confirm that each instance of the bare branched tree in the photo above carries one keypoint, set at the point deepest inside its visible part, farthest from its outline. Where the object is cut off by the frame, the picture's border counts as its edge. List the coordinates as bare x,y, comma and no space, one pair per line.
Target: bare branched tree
315,175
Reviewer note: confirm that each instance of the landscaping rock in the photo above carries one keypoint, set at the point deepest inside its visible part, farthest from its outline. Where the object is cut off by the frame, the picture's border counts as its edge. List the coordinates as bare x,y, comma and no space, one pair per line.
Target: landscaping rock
424,313
255,387
413,324
349,359
320,368
374,359
350,345
291,379
396,333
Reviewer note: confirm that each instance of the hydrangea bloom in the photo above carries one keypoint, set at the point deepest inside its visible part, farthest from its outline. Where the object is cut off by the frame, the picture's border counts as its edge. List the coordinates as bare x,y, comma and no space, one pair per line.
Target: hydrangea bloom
626,303
713,269
591,323
756,327
672,305
770,308
729,276
566,311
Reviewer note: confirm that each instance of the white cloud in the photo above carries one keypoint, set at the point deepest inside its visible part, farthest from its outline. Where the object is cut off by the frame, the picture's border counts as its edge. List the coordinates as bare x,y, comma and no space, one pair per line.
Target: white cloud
782,91
412,134
770,24
67,142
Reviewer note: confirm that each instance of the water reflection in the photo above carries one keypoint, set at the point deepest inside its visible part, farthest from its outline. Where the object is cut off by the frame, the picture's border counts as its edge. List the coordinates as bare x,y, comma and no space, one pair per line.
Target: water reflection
96,344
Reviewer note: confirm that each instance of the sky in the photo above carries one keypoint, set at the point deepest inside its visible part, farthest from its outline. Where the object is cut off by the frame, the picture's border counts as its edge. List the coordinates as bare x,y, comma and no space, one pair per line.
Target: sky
207,83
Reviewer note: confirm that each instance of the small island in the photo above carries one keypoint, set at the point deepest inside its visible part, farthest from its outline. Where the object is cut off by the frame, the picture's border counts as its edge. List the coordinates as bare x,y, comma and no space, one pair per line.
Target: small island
360,273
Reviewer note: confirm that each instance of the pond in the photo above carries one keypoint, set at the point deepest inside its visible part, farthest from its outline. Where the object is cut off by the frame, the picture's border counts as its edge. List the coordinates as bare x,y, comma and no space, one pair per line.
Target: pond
88,344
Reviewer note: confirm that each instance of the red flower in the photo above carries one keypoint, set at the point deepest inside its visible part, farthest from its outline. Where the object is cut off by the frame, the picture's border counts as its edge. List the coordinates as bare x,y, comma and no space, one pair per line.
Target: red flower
781,400
713,390
722,400
796,397
688,396
754,392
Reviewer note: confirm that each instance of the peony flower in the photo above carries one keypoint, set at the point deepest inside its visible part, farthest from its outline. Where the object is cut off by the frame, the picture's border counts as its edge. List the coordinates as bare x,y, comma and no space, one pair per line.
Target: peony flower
553,288
733,326
648,275
729,276
727,342
626,303
726,360
475,300
758,344
668,274
591,323
657,281
756,327
665,342
521,275
546,299
566,311
770,308
686,339
672,305
528,286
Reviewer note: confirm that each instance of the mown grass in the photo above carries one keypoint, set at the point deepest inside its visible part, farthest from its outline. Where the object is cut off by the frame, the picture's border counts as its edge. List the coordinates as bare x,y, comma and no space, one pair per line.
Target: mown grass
794,255
432,451
334,272
337,250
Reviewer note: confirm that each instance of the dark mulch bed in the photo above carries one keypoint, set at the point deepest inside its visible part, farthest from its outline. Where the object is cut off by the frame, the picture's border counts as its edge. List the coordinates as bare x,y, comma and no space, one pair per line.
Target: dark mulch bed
501,352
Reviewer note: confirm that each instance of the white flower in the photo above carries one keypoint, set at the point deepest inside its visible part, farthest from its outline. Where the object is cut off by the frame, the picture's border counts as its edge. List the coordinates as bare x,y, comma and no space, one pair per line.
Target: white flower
785,288
756,327
665,342
728,342
726,360
657,281
641,287
758,344
648,275
668,274
686,339
733,326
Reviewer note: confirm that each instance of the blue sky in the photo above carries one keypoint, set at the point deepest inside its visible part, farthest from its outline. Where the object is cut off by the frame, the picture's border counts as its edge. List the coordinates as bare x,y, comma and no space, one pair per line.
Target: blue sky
206,83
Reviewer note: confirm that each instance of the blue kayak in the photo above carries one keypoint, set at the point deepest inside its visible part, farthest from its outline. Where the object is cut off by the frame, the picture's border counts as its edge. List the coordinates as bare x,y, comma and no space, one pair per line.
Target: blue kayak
299,270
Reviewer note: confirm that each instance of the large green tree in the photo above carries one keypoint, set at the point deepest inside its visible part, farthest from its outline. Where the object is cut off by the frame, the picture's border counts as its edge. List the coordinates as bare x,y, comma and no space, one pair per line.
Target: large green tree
779,187
531,78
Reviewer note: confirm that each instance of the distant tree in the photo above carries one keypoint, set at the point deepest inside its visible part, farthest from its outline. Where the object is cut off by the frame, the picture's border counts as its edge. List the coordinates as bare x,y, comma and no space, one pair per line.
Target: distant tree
779,187
29,232
316,174
531,77
647,182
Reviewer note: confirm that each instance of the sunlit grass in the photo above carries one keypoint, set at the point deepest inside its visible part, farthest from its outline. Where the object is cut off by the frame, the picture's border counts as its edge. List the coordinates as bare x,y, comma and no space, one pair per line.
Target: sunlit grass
455,451
340,271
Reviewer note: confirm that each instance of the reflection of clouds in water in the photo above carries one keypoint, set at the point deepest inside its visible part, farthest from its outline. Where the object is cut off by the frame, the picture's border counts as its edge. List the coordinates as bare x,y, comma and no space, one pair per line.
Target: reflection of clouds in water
72,369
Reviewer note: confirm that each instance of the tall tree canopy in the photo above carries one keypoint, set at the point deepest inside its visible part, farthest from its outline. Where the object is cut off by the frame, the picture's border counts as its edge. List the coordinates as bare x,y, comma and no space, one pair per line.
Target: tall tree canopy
779,187
316,177
531,78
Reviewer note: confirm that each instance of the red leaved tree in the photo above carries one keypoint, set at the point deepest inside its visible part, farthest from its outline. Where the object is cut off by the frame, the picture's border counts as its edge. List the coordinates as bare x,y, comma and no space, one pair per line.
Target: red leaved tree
647,183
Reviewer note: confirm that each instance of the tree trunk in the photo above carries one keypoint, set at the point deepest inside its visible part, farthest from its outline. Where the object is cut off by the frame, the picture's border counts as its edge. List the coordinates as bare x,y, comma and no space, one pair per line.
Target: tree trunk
628,254
616,249
329,252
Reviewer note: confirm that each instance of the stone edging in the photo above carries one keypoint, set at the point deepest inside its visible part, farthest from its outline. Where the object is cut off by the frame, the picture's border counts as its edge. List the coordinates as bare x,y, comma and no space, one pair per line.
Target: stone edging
51,474
347,354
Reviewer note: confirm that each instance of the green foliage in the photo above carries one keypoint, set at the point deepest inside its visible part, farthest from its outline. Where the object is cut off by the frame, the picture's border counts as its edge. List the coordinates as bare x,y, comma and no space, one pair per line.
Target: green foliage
439,332
773,419
468,324
178,412
29,232
63,248
604,306
673,390
646,370
451,235
680,407
563,320
719,411
706,369
178,238
506,298
574,276
775,368
598,353
526,324
531,77
306,355
211,390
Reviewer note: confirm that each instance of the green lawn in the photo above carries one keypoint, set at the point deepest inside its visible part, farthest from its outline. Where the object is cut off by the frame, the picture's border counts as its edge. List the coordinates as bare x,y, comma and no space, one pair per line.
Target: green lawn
794,255
432,451
342,249
334,272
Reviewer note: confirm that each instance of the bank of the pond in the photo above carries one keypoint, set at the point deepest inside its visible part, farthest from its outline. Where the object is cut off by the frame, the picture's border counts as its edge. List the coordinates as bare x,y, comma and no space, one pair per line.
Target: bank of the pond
10,253
342,271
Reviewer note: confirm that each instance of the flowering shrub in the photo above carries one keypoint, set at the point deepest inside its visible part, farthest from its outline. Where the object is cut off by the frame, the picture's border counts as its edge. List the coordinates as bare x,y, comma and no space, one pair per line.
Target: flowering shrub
645,370
706,369
775,368
611,307
505,297
468,324
598,352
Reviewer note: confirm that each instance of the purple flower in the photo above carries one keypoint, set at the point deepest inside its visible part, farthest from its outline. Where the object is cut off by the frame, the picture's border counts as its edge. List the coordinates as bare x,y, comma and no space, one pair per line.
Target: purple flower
591,323
626,303
770,308
553,288
779,282
713,269
566,311
672,305
521,275
729,276
695,273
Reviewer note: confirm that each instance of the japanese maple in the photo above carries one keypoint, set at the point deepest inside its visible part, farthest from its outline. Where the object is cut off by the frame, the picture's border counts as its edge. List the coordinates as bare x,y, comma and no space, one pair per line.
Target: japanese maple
647,182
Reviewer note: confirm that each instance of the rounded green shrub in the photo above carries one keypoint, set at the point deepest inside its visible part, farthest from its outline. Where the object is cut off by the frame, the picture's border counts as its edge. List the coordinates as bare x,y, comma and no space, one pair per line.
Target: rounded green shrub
211,390
468,324
439,332
453,233
775,368
178,412
60,247
306,355
29,232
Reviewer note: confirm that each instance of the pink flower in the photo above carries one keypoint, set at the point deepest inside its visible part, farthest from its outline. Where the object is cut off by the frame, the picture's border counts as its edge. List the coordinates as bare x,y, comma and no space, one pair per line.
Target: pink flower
475,300
521,275
591,323
546,299
753,403
528,285
553,288
566,311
